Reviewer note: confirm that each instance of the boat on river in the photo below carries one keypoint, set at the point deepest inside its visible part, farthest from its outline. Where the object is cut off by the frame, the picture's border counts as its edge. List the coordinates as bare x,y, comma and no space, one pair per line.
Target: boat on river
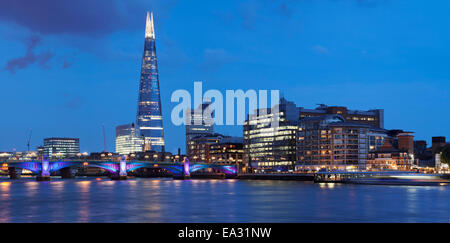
401,178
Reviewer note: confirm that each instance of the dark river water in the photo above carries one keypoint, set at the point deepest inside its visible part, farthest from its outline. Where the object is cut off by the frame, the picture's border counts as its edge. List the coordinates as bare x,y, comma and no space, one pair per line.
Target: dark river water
167,200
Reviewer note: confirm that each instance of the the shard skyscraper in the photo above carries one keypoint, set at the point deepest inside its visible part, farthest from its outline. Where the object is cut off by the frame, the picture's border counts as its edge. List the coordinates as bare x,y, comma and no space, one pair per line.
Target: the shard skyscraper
149,113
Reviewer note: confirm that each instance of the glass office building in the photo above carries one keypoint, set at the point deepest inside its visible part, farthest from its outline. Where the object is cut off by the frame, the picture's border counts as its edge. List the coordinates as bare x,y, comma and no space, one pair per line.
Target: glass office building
128,140
61,147
268,147
149,114
197,126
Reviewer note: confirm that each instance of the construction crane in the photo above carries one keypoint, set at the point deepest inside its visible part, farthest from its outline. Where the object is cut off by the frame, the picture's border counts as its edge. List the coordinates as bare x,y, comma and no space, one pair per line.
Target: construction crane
29,139
104,138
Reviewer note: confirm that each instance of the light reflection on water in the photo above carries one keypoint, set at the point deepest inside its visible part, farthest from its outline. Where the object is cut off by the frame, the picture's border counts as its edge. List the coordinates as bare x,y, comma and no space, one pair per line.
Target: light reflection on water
167,200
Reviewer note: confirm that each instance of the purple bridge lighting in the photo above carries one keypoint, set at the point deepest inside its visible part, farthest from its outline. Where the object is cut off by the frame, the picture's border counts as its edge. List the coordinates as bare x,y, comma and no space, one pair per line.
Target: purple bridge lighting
121,168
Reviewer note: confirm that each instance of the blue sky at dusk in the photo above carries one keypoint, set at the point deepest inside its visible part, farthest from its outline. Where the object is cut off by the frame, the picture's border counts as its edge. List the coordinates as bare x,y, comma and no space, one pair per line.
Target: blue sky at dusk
66,67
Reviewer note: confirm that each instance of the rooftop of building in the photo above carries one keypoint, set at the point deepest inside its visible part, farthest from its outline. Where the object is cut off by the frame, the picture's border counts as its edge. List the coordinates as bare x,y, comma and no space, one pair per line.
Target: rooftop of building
65,138
339,121
322,108
210,136
397,132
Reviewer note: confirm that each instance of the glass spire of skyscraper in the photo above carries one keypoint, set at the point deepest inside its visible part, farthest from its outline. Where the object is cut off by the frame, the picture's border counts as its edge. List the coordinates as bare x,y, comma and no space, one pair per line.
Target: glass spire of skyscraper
149,114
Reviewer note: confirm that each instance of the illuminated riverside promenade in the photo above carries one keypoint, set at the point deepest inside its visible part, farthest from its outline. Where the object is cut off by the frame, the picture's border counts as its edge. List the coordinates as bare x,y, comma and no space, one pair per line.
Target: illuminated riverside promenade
117,169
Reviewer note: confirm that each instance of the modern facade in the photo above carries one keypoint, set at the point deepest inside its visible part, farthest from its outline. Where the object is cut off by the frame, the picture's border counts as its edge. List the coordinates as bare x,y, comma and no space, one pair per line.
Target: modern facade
128,140
200,147
229,150
149,113
216,148
268,147
61,147
373,118
330,142
196,125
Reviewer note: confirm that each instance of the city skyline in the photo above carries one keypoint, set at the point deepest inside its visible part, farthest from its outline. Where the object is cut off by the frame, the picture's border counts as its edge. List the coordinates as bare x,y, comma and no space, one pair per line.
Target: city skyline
222,119
392,72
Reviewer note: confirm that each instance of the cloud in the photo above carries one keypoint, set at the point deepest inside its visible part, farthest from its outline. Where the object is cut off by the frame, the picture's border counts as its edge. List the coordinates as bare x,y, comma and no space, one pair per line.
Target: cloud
66,64
320,49
72,102
81,24
81,17
371,3
214,59
30,57
174,56
251,12
285,10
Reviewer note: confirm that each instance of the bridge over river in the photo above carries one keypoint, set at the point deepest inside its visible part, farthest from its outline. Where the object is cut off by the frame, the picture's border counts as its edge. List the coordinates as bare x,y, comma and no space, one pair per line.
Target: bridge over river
118,169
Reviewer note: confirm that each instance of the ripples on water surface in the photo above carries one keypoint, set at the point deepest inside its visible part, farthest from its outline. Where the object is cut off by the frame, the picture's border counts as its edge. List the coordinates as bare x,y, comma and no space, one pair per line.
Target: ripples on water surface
167,200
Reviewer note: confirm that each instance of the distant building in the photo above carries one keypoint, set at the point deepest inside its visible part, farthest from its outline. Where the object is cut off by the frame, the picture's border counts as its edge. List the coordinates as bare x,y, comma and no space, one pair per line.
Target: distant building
153,156
423,155
196,125
5,155
61,147
403,141
127,140
389,158
107,156
406,142
229,150
40,151
437,143
396,154
438,140
420,147
332,143
374,118
267,147
200,147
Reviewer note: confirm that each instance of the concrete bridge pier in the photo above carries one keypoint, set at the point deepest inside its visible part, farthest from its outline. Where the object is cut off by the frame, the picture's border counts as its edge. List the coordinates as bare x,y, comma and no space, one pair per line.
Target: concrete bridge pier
45,171
66,173
186,171
122,173
42,178
117,177
14,173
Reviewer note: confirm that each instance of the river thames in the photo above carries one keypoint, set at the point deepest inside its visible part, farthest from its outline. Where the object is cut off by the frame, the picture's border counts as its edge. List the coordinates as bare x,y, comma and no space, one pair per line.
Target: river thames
167,200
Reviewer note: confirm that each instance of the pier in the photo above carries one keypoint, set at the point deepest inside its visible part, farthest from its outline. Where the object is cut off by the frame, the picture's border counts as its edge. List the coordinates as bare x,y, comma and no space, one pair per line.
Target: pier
408,178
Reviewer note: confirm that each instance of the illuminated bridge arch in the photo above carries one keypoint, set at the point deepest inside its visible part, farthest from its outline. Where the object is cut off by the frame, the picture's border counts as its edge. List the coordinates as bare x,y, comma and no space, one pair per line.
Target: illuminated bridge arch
121,167
227,169
172,168
112,167
35,167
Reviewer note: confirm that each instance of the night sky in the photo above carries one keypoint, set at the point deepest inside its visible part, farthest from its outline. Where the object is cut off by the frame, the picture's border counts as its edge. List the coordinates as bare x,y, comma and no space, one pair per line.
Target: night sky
66,67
